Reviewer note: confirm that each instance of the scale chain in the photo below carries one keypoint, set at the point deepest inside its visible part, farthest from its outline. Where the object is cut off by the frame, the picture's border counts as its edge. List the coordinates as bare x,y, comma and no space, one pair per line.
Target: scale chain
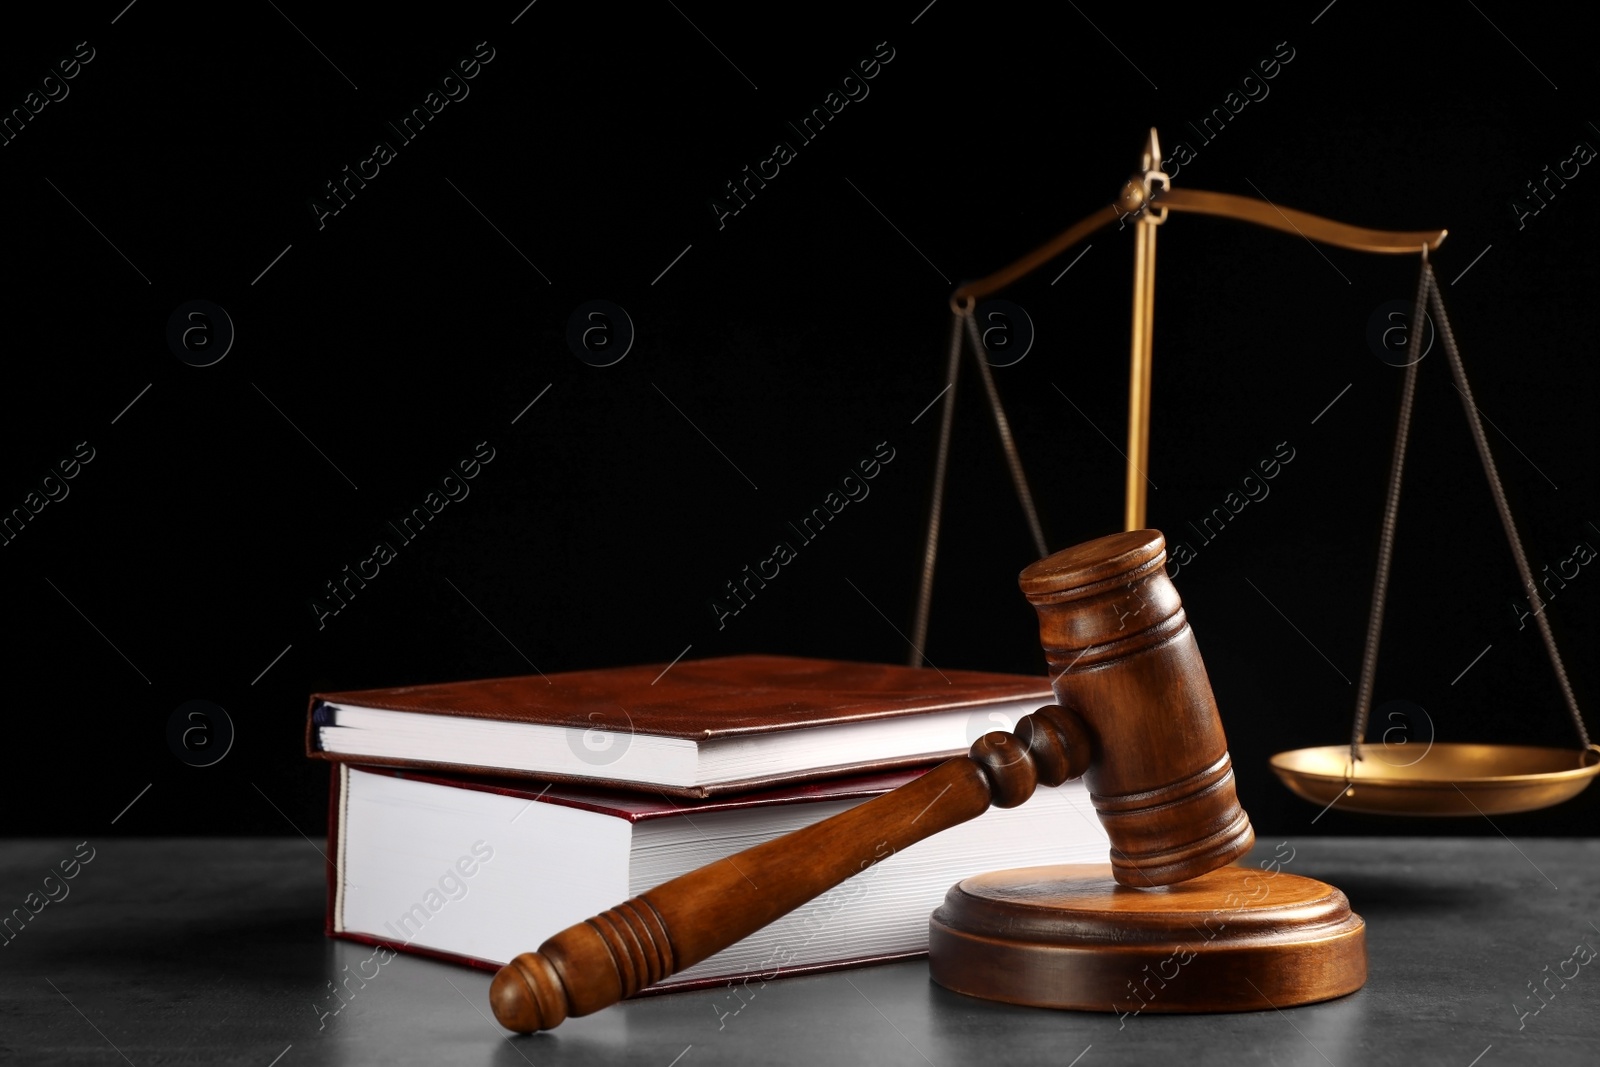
964,317
919,625
1391,509
1013,460
1501,505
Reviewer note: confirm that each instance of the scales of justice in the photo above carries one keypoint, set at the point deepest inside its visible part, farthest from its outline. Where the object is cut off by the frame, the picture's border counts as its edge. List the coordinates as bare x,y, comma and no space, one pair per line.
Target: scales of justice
1170,924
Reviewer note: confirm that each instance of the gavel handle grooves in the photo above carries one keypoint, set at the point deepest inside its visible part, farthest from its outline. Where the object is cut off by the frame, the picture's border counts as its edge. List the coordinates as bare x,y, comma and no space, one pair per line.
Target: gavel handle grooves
594,964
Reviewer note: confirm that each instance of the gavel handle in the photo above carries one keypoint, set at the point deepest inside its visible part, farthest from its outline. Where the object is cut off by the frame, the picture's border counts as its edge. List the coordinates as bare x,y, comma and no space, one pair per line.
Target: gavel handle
594,964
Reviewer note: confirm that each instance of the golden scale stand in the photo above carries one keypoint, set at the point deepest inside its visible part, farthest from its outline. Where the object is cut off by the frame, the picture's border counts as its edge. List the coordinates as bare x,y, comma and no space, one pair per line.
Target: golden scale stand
1452,778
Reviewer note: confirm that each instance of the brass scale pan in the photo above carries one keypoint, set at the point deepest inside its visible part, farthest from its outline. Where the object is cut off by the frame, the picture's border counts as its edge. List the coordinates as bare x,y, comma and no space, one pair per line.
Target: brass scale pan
1449,779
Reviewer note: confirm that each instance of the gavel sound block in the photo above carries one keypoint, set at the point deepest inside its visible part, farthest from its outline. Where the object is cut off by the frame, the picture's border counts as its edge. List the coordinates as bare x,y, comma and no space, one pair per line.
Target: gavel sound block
1168,925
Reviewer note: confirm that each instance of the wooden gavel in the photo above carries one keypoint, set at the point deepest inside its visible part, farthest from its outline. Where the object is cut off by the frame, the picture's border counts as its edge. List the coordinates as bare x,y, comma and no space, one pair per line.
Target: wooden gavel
1136,718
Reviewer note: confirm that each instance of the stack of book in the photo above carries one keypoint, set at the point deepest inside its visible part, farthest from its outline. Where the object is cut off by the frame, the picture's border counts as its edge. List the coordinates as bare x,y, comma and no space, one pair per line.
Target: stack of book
472,820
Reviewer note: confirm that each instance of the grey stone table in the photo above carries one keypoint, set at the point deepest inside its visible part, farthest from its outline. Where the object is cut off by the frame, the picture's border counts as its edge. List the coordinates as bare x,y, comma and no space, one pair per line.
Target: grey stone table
211,952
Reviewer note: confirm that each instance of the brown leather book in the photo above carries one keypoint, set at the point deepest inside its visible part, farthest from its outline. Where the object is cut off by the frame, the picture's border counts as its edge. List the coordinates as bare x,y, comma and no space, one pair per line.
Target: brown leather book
698,728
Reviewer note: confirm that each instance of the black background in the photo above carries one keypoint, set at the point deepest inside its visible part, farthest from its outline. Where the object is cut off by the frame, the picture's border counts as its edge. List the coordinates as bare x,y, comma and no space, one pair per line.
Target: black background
807,329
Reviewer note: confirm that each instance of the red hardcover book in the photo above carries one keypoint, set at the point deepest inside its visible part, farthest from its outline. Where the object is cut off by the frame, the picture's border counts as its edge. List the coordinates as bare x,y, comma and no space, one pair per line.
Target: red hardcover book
699,728
477,870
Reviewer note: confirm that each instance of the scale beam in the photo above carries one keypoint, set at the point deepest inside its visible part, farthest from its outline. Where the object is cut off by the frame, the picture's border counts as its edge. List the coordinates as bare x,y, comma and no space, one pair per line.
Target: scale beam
1203,202
1146,200
1288,220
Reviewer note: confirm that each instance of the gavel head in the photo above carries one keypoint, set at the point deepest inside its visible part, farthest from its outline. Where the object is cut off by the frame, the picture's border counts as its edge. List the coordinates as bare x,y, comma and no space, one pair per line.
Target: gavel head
1122,657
